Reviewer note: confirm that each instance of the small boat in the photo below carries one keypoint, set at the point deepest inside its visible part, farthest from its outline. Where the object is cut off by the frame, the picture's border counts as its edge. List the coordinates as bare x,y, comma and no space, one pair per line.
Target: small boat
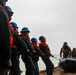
68,64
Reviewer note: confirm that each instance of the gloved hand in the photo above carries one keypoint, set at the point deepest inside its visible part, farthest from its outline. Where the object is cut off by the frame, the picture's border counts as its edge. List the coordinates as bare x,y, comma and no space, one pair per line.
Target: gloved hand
52,56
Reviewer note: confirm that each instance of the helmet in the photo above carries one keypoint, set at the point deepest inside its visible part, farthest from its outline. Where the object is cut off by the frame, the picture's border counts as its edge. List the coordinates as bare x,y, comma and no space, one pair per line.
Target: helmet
14,24
25,29
41,38
7,8
74,48
65,43
34,40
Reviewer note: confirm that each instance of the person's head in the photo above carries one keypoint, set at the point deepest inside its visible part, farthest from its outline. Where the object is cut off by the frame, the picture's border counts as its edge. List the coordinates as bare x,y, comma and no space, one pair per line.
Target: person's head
34,40
42,39
15,26
25,30
74,49
10,12
65,44
3,2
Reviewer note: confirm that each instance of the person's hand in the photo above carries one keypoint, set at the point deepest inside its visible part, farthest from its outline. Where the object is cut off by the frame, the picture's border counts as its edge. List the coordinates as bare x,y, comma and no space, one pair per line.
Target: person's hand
52,56
9,63
28,50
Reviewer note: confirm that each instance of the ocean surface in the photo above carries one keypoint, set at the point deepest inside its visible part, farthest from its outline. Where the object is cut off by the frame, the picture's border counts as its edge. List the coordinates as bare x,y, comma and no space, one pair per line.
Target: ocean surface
41,63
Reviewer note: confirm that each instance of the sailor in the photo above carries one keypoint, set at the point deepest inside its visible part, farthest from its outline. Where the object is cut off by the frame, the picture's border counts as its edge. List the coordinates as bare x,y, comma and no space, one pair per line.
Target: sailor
15,69
29,65
46,58
65,50
35,56
74,53
5,50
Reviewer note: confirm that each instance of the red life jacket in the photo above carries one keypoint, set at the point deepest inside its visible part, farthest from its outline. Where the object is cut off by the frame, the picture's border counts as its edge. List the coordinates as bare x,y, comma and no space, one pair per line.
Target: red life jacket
12,42
10,29
44,43
37,46
25,36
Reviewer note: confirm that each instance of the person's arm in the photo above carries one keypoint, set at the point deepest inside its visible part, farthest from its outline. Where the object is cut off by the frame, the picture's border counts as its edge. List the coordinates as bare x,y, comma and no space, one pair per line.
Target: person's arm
61,52
44,50
29,45
38,51
21,45
70,53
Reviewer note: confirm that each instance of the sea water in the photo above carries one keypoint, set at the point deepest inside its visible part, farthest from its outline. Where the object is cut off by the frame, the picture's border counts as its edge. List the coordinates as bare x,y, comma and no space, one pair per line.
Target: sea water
41,64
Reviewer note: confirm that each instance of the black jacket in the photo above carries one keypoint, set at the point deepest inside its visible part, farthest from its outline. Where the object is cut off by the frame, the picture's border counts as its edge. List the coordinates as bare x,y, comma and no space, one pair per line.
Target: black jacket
29,44
5,50
44,49
38,53
21,45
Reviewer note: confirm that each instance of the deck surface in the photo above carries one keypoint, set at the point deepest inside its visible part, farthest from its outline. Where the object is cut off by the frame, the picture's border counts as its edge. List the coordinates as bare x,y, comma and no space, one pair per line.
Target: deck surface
57,71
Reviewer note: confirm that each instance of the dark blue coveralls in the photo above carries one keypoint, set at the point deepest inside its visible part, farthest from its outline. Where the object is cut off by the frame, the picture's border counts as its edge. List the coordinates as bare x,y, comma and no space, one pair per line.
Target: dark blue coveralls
35,57
46,59
22,46
30,68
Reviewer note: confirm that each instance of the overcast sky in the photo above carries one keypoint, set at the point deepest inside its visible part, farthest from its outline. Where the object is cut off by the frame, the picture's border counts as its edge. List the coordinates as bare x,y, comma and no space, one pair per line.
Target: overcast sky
54,19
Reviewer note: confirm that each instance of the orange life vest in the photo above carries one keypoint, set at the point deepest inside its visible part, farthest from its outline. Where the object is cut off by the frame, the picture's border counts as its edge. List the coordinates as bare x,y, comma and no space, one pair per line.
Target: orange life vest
37,46
12,42
25,36
44,43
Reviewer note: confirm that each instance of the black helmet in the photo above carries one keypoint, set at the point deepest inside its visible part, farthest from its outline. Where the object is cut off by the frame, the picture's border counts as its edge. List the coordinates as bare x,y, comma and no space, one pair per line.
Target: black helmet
7,8
41,38
65,43
25,30
14,24
34,39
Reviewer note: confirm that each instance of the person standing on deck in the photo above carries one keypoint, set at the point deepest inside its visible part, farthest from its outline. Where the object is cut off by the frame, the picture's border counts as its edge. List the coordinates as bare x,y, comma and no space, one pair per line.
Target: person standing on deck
74,53
15,69
65,50
5,50
10,14
46,58
35,56
29,65
22,47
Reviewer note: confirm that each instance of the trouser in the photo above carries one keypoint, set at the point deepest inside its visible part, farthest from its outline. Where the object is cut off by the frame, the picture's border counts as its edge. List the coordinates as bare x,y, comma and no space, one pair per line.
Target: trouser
3,70
29,65
36,68
49,65
15,69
